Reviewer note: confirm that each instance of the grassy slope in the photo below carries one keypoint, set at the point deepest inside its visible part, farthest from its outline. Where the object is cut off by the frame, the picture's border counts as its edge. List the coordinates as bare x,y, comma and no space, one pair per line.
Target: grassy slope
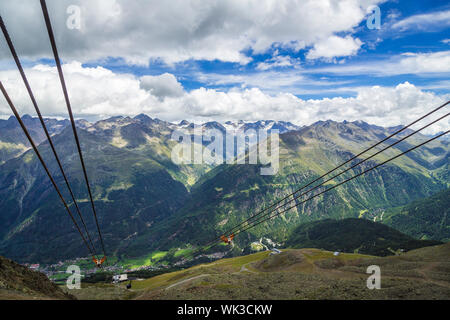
19,282
300,274
309,274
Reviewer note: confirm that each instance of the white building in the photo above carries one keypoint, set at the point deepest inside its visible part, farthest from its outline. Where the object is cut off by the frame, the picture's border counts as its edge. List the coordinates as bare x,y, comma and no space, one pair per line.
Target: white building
120,278
34,267
275,251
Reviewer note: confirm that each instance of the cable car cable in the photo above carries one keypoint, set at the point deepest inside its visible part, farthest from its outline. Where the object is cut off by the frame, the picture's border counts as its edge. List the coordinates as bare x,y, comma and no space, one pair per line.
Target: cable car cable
33,100
339,166
215,241
347,180
329,189
353,166
69,108
33,145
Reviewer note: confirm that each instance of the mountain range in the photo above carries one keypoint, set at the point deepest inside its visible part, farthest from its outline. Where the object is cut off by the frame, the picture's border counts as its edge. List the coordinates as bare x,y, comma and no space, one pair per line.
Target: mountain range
147,203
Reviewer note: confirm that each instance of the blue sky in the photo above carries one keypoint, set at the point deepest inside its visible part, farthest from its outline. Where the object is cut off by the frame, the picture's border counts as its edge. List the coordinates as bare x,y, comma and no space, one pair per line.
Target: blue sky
379,47
292,60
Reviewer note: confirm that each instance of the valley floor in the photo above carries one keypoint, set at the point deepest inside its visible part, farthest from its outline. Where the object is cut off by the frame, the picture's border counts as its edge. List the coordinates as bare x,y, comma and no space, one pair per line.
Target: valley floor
295,274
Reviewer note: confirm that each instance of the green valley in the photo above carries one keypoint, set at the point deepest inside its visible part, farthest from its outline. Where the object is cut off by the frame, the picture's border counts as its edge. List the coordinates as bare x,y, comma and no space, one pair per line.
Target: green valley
148,204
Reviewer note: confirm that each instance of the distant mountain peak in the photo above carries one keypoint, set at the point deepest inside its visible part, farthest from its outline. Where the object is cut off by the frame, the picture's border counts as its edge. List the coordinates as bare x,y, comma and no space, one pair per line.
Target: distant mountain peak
115,118
214,125
142,117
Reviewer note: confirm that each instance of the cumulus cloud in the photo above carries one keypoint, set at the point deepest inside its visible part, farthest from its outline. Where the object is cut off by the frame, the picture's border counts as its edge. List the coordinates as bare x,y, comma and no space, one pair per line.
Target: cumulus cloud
385,106
334,46
98,92
382,106
164,85
93,91
179,30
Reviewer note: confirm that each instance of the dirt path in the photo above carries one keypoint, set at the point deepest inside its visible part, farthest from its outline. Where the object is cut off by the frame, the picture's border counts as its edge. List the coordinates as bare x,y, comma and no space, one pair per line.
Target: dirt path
245,269
187,280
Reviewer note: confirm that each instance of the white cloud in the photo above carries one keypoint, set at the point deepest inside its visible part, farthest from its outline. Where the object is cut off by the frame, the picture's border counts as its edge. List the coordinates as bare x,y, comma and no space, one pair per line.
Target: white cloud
437,85
334,46
424,22
93,91
273,81
101,93
407,63
378,105
178,30
425,63
164,85
276,62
